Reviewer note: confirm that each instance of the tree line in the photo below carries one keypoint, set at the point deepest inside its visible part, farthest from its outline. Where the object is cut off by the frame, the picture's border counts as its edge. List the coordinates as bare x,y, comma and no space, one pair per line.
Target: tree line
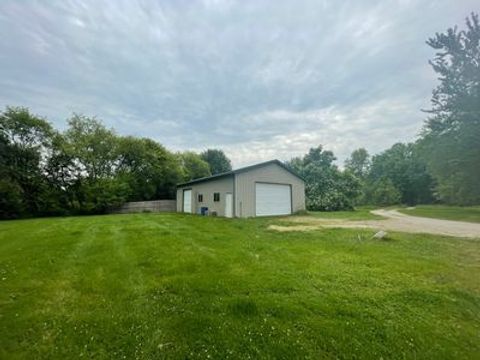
89,169
397,175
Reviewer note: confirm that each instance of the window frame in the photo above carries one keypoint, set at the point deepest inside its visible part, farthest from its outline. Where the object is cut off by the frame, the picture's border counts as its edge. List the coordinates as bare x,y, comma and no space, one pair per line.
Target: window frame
200,198
216,197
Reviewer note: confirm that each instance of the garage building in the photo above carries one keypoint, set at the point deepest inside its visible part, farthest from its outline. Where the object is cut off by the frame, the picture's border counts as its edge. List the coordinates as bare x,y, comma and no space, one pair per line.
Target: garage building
264,189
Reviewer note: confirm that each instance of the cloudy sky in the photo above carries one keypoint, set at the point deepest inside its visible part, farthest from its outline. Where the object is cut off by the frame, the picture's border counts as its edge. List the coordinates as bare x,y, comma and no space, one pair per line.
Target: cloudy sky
259,79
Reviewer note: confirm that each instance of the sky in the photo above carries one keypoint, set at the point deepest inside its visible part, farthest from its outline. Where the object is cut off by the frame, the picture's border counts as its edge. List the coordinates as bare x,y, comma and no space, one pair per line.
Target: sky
259,79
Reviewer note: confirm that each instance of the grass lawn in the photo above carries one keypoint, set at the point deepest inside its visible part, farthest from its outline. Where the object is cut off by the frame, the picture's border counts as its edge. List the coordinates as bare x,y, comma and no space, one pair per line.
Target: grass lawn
178,286
460,213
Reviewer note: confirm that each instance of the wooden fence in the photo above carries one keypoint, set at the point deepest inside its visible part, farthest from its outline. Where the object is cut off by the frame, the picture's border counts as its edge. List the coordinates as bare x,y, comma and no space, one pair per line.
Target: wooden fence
147,206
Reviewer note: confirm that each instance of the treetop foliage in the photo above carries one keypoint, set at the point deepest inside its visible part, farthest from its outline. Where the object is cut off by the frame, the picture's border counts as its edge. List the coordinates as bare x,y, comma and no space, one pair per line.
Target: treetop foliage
217,161
326,187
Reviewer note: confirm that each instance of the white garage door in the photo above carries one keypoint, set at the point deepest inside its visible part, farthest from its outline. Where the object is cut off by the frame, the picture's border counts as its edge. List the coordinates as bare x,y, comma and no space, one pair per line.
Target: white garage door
272,199
187,201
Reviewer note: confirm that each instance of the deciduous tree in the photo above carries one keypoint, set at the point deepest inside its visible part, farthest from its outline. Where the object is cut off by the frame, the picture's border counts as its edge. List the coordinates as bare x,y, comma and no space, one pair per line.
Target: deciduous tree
193,166
359,163
24,142
406,170
326,187
151,171
217,160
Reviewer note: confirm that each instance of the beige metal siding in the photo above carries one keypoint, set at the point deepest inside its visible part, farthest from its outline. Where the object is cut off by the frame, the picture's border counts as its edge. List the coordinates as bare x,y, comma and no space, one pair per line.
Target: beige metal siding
244,198
207,189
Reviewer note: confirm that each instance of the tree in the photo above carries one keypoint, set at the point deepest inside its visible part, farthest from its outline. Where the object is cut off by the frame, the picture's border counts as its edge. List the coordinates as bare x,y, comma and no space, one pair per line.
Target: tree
91,151
359,163
101,195
383,192
451,136
406,170
217,160
61,172
193,166
151,171
93,147
326,187
11,200
24,142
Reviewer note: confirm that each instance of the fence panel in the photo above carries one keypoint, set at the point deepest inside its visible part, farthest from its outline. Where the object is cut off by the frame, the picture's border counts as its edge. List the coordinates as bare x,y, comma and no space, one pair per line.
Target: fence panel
147,206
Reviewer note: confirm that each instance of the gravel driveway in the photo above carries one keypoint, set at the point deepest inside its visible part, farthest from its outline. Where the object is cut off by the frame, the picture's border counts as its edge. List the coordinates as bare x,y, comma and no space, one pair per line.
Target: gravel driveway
394,221
397,221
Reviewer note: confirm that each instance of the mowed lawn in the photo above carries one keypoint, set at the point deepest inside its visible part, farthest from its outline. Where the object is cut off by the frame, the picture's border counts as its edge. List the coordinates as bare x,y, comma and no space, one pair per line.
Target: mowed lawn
458,213
177,286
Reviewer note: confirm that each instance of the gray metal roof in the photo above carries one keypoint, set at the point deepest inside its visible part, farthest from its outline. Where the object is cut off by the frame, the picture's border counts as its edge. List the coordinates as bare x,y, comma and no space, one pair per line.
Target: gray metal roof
246,168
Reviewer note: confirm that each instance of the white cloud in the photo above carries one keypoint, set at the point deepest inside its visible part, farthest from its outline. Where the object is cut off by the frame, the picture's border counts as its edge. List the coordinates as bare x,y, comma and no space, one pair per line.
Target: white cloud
337,130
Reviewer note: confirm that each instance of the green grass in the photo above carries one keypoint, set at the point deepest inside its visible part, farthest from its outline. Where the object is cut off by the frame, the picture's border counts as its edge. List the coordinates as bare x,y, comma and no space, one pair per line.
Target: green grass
360,213
460,213
177,286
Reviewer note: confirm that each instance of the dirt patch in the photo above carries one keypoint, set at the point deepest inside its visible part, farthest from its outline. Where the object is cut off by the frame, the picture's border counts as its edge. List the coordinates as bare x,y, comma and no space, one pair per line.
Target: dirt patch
316,227
281,228
394,221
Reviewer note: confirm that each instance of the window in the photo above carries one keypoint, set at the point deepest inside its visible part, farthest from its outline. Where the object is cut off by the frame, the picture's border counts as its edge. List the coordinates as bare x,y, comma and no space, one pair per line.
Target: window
216,196
200,197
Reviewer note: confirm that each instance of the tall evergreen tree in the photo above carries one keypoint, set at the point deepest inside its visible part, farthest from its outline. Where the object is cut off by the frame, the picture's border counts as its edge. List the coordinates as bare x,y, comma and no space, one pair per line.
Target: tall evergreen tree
451,136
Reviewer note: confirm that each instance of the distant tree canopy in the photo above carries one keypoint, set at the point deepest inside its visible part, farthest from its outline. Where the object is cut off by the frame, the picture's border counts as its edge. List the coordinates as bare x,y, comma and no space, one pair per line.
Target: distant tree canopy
407,172
87,169
326,187
359,163
382,192
150,170
217,161
397,175
194,166
24,141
